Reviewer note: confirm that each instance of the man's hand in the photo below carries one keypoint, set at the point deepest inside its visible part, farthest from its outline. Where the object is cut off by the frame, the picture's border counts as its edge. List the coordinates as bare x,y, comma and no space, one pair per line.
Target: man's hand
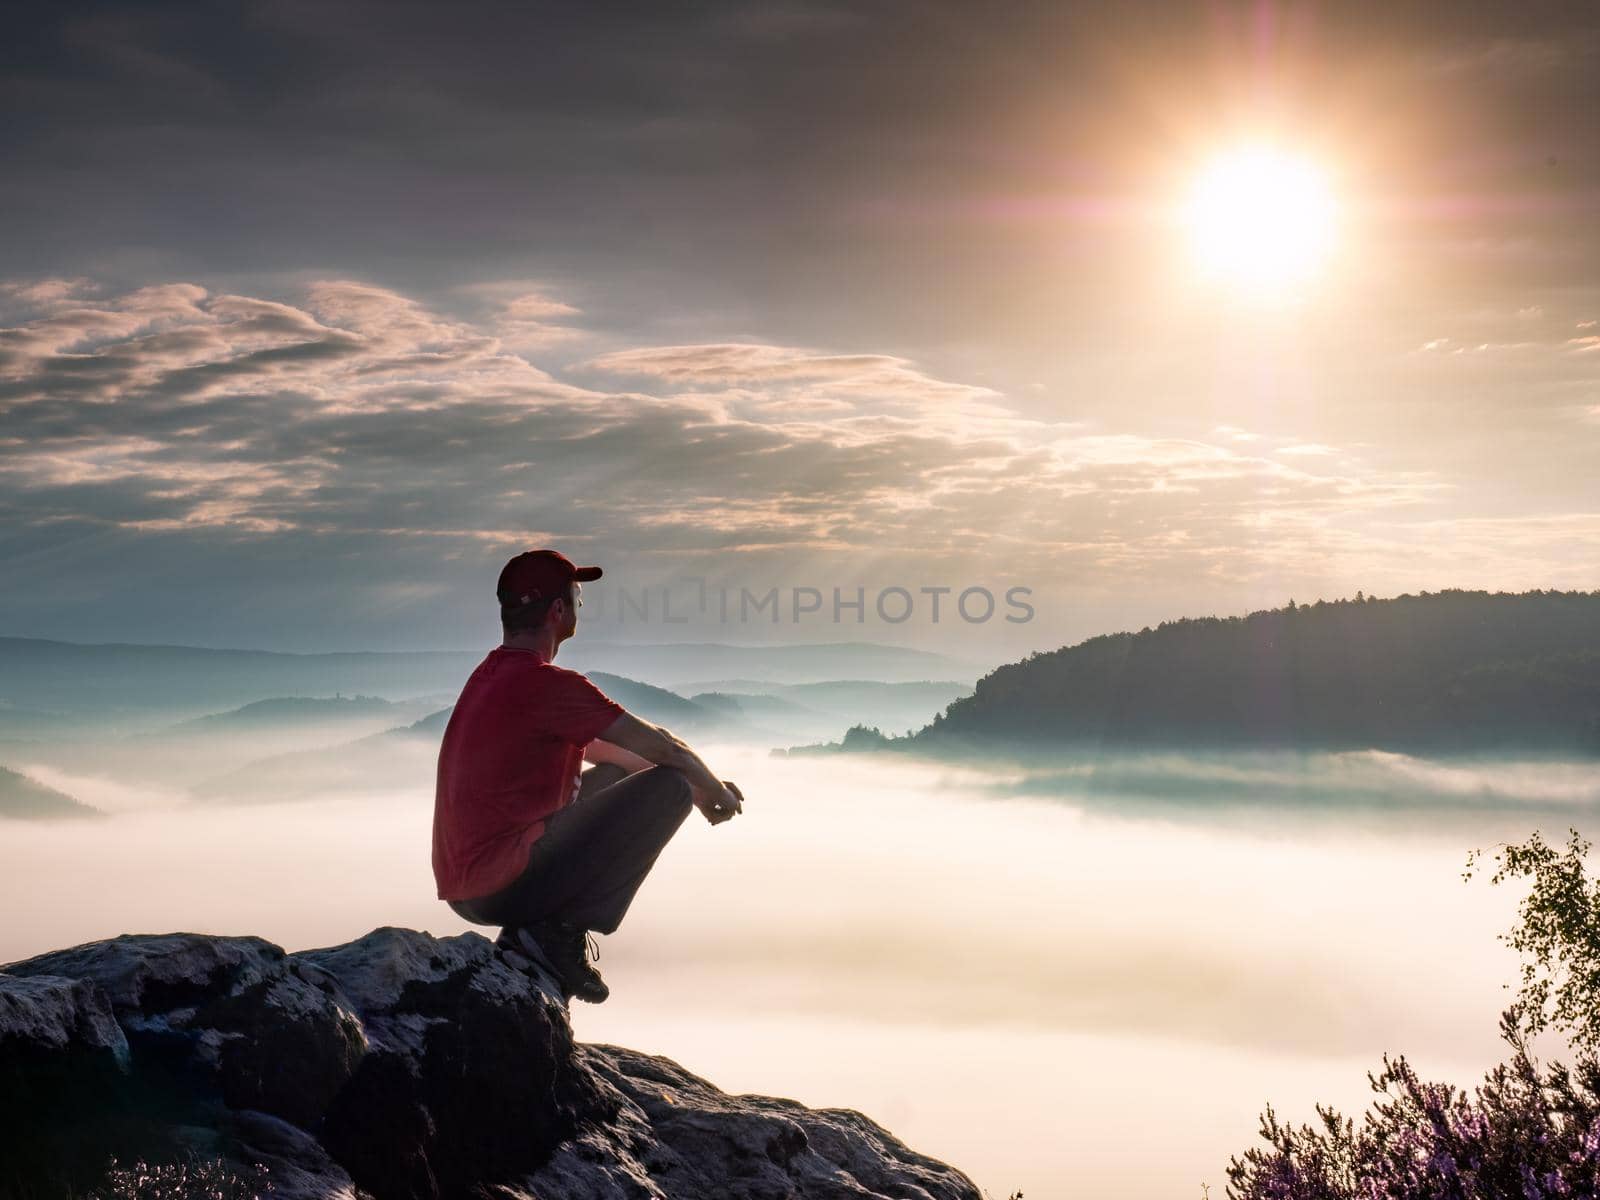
721,806
716,798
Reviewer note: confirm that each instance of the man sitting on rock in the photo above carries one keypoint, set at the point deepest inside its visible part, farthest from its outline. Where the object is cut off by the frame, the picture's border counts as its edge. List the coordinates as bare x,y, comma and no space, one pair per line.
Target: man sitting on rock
519,839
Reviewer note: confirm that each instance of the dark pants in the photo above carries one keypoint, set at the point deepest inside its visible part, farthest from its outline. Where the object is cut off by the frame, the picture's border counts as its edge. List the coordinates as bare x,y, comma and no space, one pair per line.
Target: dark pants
594,853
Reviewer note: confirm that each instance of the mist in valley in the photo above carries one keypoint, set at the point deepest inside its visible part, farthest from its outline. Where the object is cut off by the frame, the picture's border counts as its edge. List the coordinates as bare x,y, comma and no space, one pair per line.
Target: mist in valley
1016,966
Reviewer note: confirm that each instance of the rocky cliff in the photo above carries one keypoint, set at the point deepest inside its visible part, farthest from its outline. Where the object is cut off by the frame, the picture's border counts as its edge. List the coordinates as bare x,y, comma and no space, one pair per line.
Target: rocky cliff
395,1067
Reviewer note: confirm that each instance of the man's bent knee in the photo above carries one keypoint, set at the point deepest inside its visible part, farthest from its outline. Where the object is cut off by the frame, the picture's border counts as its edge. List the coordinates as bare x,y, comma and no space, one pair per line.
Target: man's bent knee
671,784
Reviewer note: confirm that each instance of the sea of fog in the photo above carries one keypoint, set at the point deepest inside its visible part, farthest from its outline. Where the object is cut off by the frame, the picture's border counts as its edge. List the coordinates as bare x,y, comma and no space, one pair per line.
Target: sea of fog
1082,980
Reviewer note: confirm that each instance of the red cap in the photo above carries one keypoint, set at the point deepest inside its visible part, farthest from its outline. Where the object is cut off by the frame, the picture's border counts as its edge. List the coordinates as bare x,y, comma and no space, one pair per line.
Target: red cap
536,574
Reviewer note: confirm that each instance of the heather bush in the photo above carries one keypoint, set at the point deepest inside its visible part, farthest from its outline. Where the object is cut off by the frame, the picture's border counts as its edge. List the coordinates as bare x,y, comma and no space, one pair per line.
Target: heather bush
191,1179
1526,1132
1522,1133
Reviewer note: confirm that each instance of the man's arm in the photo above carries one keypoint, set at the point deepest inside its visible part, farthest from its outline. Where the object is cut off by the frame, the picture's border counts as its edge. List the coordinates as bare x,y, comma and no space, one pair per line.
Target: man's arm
598,751
657,745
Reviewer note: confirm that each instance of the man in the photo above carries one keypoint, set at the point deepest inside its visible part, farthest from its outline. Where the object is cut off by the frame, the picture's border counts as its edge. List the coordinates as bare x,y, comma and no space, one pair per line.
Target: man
519,840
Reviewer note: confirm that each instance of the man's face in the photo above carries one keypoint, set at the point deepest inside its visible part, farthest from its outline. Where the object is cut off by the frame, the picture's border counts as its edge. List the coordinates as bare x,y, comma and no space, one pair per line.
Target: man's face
569,625
562,616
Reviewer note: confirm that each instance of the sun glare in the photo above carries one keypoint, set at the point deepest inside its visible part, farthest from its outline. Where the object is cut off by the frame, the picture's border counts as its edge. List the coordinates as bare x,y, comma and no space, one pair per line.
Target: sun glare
1260,220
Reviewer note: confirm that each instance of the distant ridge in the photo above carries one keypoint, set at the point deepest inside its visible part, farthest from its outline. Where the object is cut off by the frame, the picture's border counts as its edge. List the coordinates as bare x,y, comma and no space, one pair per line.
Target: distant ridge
401,756
278,710
163,683
24,798
685,664
1452,671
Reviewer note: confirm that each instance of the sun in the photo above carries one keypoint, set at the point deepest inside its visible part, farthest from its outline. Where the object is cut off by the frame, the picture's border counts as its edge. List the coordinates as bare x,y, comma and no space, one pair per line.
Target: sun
1260,219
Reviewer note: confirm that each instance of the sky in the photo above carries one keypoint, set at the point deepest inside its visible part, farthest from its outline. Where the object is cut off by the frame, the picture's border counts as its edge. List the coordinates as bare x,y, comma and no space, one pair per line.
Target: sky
313,314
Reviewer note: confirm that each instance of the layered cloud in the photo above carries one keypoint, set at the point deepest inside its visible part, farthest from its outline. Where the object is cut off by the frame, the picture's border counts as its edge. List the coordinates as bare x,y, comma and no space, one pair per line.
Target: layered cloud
219,409
351,413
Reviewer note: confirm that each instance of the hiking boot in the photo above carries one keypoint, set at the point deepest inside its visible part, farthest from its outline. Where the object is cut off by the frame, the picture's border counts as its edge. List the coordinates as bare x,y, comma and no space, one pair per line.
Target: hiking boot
521,940
568,947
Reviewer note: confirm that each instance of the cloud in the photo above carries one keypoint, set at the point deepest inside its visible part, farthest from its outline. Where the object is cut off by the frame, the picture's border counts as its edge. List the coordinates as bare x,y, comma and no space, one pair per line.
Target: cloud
1523,58
361,417
46,293
759,380
1235,434
730,362
366,410
533,322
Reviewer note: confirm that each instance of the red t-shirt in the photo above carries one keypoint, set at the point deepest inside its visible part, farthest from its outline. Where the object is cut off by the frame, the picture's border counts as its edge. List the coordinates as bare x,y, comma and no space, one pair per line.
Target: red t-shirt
510,757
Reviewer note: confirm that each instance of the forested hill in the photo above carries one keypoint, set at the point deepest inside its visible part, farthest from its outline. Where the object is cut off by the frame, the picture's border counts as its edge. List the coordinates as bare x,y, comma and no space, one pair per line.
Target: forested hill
1450,671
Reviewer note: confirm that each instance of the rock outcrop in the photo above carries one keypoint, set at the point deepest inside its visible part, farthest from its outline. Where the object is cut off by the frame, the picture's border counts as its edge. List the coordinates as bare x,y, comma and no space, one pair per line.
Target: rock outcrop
397,1067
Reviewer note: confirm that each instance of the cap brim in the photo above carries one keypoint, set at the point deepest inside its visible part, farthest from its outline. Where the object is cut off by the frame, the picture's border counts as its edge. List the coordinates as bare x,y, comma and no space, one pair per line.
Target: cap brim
585,574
